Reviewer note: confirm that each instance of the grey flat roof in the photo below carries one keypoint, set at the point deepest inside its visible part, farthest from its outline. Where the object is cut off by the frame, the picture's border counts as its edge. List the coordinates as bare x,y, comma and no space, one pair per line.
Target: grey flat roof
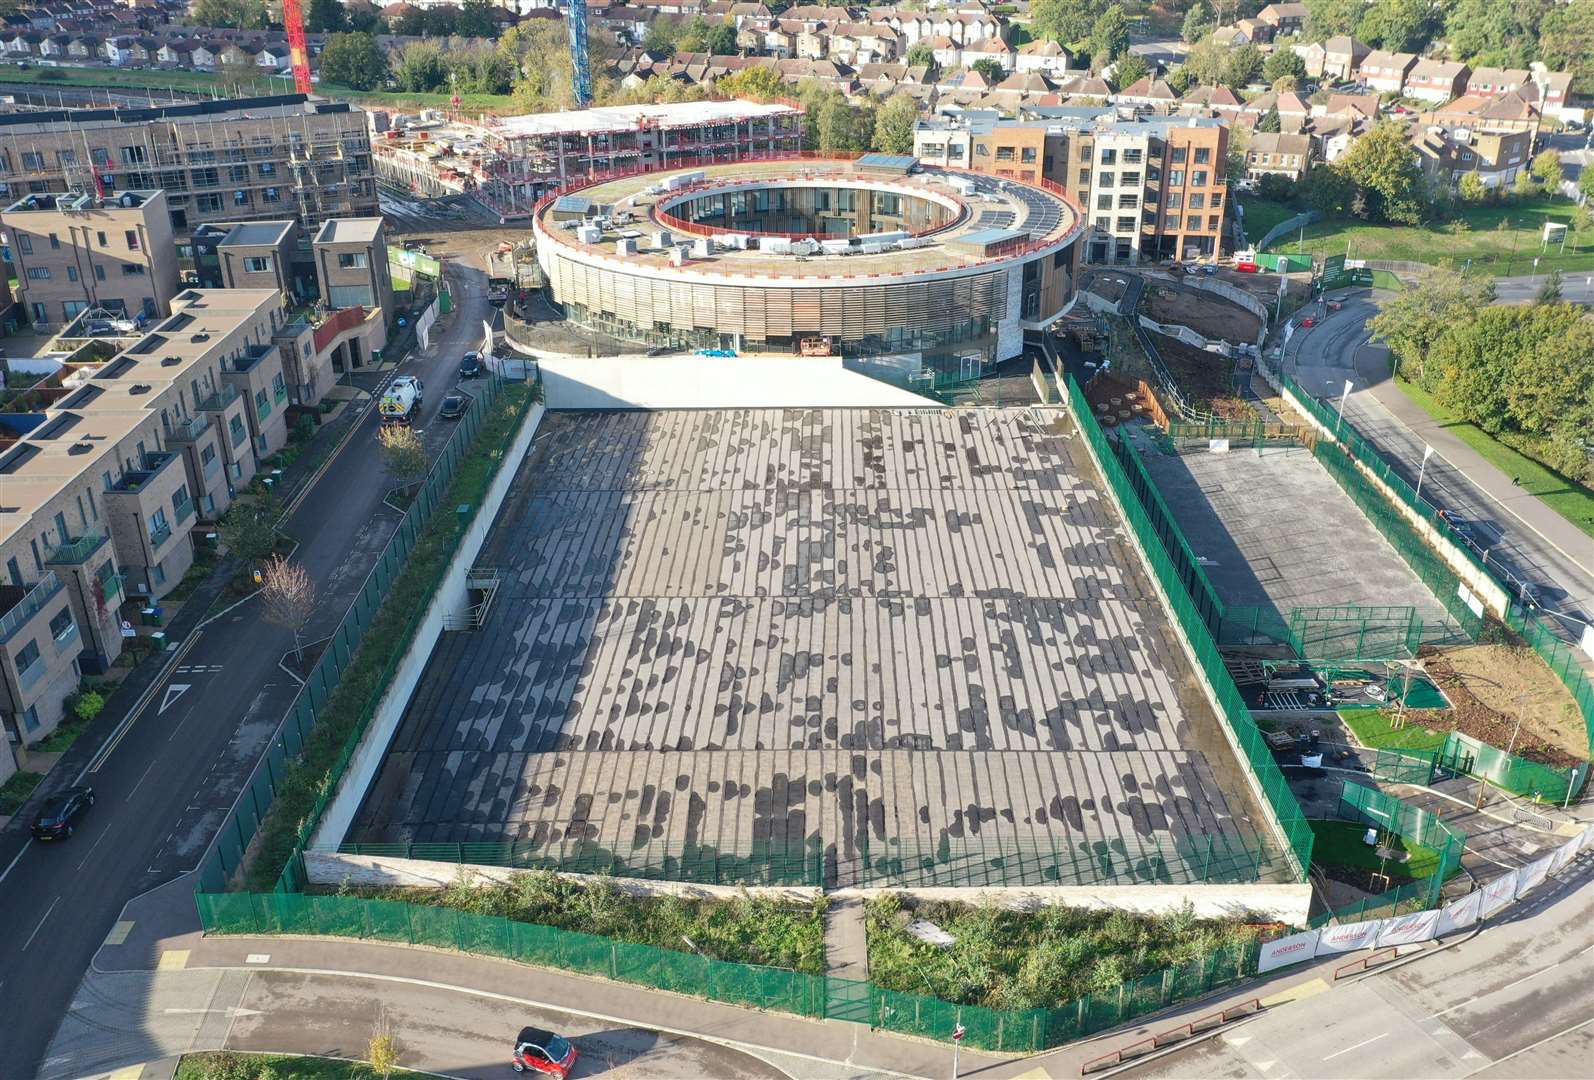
815,626
256,233
349,230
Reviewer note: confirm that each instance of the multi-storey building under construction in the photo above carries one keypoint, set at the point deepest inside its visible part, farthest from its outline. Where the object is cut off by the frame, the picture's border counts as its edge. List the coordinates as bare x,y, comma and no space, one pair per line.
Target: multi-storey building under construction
268,157
509,163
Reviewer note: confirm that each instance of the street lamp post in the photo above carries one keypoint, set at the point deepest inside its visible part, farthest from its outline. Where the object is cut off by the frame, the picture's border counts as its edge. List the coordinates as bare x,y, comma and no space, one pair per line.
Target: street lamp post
1427,452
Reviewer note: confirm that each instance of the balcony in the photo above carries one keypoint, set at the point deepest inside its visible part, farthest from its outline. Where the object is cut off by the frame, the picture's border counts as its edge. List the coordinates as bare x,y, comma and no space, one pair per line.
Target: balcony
76,552
21,603
262,410
111,588
249,360
239,435
159,536
190,430
184,510
219,401
280,393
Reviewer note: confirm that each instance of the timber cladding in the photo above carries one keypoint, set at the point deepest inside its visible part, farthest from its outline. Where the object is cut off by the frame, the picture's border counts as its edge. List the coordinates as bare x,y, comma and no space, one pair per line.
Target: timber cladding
759,312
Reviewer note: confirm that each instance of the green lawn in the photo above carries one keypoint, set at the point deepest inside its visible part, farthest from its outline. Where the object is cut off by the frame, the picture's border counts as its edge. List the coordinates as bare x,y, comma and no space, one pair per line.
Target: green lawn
1340,843
1566,497
1372,727
224,1065
15,791
1502,252
1261,215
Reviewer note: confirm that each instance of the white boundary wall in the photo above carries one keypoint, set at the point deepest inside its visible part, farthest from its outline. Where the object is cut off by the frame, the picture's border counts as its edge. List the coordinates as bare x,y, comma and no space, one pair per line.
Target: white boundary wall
716,382
450,598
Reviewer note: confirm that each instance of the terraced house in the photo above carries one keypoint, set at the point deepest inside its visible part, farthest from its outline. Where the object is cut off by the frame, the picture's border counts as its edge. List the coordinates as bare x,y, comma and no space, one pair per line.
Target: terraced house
105,468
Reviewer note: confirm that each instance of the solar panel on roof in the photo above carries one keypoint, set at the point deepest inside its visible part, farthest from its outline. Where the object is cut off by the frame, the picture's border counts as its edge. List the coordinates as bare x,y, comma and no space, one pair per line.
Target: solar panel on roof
897,163
572,204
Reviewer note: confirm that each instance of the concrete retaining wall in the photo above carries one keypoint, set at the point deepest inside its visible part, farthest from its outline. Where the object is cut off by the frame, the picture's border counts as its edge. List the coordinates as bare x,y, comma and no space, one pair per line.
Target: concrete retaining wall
450,598
713,382
1283,903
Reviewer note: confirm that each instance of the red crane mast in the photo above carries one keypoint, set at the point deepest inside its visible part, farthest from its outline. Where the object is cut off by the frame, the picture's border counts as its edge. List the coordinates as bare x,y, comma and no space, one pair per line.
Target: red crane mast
293,19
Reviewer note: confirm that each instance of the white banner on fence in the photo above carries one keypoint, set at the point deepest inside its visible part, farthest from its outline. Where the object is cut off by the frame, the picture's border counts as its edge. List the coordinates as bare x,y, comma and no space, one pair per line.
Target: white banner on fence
1409,929
1587,839
1564,854
1498,893
1534,872
423,326
1459,915
1287,950
1349,937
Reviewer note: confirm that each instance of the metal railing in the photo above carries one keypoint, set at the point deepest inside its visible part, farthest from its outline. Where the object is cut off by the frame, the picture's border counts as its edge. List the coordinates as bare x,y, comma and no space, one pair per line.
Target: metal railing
183,509
159,536
29,604
218,401
77,550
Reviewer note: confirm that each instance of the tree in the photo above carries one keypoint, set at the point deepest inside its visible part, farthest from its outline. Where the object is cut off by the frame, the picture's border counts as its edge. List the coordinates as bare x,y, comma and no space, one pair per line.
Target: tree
1129,70
1198,23
412,23
1181,79
1383,166
1275,187
1327,18
1067,21
1205,61
325,17
1414,319
229,14
1585,183
402,454
1471,188
990,70
1566,43
1284,62
354,60
1581,224
662,36
1270,123
1242,67
1398,25
894,123
289,597
1547,170
249,527
757,83
89,704
384,1054
361,17
1526,185
844,127
1110,33
1550,291
475,19
921,55
420,69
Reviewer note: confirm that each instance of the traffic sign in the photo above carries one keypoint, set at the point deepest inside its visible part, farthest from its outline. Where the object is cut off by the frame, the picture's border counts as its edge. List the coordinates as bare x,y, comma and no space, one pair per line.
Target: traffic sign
958,1033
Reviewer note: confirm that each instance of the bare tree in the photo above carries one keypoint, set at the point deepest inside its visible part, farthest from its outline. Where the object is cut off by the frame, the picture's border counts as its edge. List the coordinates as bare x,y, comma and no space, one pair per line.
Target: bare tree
289,596
403,454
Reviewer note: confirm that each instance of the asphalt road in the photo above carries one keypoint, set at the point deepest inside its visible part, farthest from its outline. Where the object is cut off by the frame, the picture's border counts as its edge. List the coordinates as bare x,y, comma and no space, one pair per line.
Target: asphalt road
1322,358
1515,1001
167,785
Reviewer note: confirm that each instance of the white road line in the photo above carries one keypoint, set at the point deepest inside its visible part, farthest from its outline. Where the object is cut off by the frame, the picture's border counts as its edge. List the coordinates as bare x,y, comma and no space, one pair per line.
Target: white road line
103,834
1534,1046
1503,989
23,851
1358,1046
142,778
36,929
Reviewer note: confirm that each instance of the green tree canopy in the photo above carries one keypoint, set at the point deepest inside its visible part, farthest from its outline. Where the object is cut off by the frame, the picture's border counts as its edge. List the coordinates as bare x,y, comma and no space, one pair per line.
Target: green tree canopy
990,70
1067,21
1398,25
1269,124
229,14
894,123
324,16
921,55
1327,18
1471,188
475,19
1383,166
1129,70
1284,63
354,60
1242,67
758,83
1547,169
1414,319
1110,33
1198,23
420,68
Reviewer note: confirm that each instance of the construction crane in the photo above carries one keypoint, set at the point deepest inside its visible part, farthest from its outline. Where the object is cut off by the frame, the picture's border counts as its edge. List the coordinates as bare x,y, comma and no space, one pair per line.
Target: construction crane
298,51
580,67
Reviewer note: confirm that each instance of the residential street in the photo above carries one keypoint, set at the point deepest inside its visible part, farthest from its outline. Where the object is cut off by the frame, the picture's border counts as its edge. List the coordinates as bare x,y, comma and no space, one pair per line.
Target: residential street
1522,535
165,786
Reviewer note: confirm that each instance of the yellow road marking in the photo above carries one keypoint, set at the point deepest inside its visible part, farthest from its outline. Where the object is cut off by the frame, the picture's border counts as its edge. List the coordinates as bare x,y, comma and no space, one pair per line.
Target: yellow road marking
172,960
1310,988
132,1072
119,932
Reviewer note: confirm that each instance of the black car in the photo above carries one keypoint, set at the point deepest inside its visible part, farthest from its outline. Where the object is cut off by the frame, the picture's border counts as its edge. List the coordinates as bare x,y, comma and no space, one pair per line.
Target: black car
58,817
470,366
454,406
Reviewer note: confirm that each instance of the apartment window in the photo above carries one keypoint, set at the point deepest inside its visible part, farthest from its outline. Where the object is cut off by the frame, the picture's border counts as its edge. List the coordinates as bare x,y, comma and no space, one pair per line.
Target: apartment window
157,574
32,161
235,427
1004,153
1170,221
179,497
207,454
238,174
28,655
25,243
14,571
1175,200
1217,199
261,401
955,150
1104,224
105,478
1175,177
1203,155
1130,179
355,260
257,264
1027,155
206,178
5,161
270,195
38,273
240,198
134,155
1109,157
1177,156
1126,224
55,242
101,157
1192,223
61,624
1128,202
101,237
157,521
1198,178
208,203
99,272
1104,202
1132,156
1197,201
71,273
132,270
1212,223
1106,179
1084,177
41,314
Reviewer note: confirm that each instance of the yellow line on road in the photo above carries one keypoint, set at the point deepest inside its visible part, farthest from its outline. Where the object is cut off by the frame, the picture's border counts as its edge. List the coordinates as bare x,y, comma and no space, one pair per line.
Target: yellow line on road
1298,992
172,960
119,932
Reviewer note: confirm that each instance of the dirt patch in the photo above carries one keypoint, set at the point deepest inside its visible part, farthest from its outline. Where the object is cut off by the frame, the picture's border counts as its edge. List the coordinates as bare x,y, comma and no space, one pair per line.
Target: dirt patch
1203,312
1486,684
1109,286
1205,378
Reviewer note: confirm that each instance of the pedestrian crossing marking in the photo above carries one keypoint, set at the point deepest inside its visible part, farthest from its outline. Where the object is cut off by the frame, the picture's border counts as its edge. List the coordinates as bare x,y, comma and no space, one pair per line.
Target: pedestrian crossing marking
172,960
119,932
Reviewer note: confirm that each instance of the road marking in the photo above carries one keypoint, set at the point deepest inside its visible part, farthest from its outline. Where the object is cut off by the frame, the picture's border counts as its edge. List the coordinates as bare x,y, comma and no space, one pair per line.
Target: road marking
258,958
99,759
1535,1046
173,692
131,1072
231,1010
150,767
36,929
84,861
1501,990
119,932
25,846
172,960
1358,1046
1298,992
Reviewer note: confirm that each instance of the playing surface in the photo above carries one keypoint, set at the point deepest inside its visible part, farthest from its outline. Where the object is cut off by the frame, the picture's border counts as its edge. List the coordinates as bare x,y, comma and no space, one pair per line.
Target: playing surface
892,631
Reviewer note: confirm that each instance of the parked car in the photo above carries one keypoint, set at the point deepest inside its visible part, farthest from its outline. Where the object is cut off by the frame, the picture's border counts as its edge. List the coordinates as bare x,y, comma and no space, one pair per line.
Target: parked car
1308,322
454,406
1247,267
470,365
57,819
544,1052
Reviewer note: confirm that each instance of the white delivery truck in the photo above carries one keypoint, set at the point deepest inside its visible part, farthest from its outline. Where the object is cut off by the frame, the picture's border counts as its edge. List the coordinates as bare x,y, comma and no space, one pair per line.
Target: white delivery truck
401,404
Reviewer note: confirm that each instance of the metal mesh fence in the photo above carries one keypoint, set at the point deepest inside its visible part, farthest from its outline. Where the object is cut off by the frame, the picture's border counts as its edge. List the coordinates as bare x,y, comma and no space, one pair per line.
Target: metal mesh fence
1231,706
1015,1030
1466,756
240,827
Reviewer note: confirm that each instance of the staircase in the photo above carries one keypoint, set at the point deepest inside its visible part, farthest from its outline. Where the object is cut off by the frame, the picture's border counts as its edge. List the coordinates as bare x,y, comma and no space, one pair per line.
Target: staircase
481,585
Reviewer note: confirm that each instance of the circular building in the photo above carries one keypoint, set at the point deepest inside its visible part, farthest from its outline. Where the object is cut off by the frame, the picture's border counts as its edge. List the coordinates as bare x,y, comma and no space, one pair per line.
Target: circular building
925,272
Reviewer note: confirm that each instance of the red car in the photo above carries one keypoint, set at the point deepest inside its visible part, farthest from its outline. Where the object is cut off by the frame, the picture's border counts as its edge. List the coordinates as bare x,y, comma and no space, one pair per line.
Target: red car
1247,267
544,1052
1308,322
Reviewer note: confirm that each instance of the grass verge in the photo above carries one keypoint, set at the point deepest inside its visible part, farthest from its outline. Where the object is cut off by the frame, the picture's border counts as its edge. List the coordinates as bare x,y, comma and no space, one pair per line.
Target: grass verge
1341,843
1566,497
743,930
1032,959
226,1065
1374,727
1261,215
15,791
349,707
